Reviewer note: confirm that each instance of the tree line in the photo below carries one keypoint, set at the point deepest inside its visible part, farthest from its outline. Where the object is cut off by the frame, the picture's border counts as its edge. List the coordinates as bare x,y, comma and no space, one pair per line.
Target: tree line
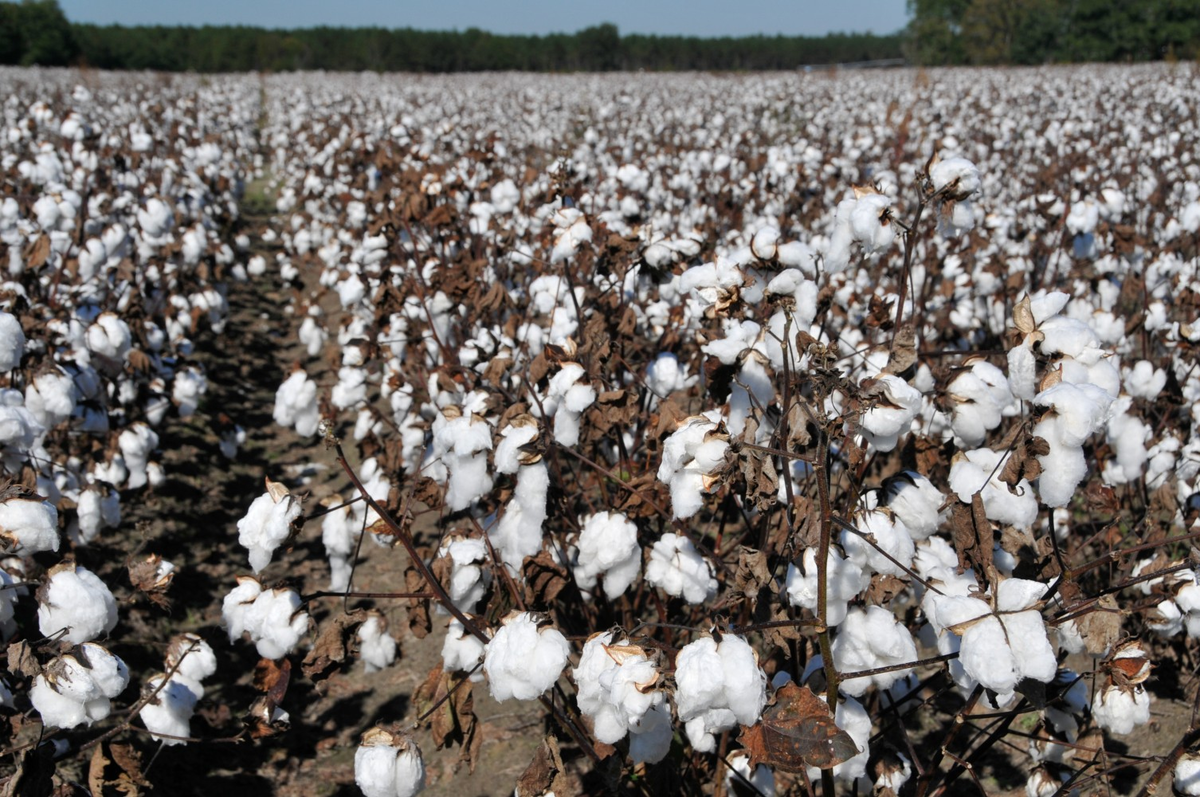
1052,31
940,32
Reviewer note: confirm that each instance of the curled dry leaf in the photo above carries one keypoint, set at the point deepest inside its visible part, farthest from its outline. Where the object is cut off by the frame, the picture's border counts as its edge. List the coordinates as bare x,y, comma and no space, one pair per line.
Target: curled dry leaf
797,731
333,647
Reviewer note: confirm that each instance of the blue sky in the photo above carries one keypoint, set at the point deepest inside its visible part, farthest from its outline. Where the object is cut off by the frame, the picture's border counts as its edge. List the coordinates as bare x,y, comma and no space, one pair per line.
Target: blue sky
687,17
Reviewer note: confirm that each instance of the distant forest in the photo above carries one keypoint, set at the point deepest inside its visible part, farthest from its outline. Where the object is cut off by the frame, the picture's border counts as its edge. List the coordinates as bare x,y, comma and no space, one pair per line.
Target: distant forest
940,32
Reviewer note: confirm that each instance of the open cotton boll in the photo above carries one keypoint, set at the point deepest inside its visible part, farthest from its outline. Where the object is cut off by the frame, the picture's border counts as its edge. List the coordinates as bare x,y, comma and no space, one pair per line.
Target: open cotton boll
979,397
525,657
109,336
469,575
844,580
978,471
388,764
296,404
955,177
97,508
29,525
462,651
892,406
276,622
377,646
171,702
267,524
519,531
50,397
891,536
570,231
460,444
615,683
191,657
607,547
188,388
351,387
692,457
137,443
650,741
718,685
77,688
1144,381
1187,776
1120,710
12,342
74,600
678,569
870,639
916,502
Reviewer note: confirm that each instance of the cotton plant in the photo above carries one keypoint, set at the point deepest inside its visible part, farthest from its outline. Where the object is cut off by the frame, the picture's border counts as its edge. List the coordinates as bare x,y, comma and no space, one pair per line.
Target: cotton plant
616,683
518,533
953,182
273,619
270,521
718,684
524,657
694,456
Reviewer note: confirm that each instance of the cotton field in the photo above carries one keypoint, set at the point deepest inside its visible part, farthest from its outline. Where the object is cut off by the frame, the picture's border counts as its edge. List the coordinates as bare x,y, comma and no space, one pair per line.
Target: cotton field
785,433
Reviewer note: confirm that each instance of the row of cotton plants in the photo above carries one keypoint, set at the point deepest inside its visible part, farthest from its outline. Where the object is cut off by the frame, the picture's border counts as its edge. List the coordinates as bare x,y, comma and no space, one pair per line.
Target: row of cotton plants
120,197
851,382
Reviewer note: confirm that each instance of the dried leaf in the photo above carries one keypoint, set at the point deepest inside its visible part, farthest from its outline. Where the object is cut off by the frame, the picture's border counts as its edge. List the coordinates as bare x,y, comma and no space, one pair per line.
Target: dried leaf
418,608
797,731
1101,628
752,574
145,578
333,647
95,775
272,678
904,350
21,660
545,772
971,533
544,579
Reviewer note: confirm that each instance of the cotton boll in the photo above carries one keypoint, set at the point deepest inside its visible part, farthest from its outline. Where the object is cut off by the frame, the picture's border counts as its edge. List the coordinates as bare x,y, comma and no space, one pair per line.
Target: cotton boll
462,651
377,646
519,532
109,336
650,741
916,502
190,656
388,764
851,717
169,708
50,397
75,601
1187,776
267,524
12,342
29,525
524,659
692,456
276,622
78,688
296,404
979,471
979,397
188,389
607,547
1121,710
892,406
891,536
718,685
844,580
460,445
237,602
137,443
678,569
868,640
566,399
470,575
615,683
761,781
1143,381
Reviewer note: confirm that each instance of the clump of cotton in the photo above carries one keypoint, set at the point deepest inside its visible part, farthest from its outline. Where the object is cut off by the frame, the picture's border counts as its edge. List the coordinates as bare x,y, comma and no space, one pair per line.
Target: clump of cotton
891,548
870,639
607,547
525,657
28,525
470,575
75,605
567,396
388,764
137,443
1121,701
571,230
273,619
188,389
296,404
864,218
1076,411
952,183
462,651
268,523
616,685
718,685
460,444
979,471
518,533
844,581
12,342
678,569
77,688
693,457
892,404
170,698
916,502
978,397
376,646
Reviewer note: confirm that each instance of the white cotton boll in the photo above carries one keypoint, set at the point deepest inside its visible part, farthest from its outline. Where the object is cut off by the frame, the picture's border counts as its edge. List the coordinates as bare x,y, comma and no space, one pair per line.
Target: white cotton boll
29,525
76,601
1187,776
666,375
567,396
351,387
267,524
979,397
388,764
607,547
916,502
978,471
678,569
844,581
1144,381
191,657
169,711
109,336
955,176
718,685
469,574
12,342
377,646
461,442
1120,710
1022,372
571,230
868,640
892,407
869,224
523,660
51,398
137,443
761,781
615,684
692,454
462,651
890,535
296,404
236,603
78,688
188,388
650,741
351,291
156,219
276,622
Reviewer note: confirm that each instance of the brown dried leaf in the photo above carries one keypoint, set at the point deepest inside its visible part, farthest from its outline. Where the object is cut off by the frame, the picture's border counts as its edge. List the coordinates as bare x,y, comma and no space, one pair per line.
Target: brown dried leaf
904,350
1101,628
38,252
418,608
545,772
544,579
272,678
144,577
21,660
752,574
95,775
333,647
797,731
971,533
